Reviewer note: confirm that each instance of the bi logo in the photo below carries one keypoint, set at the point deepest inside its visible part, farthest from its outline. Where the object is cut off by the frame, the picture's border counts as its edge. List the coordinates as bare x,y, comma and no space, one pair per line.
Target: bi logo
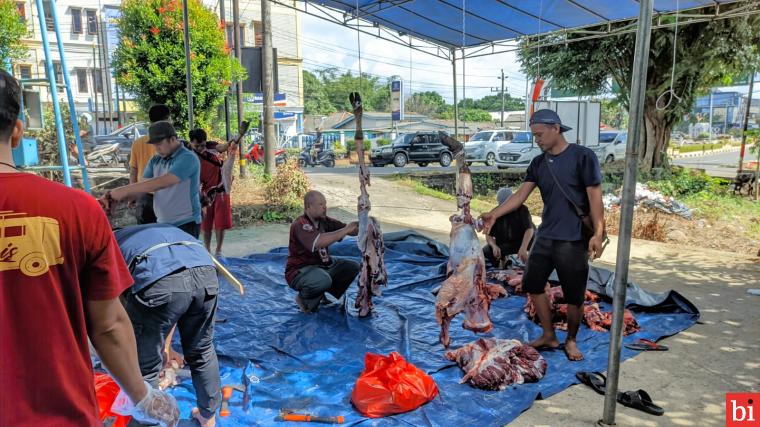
740,409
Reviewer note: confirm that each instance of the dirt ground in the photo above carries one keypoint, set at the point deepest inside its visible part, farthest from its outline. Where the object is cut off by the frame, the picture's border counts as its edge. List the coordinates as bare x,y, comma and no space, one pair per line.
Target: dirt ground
720,354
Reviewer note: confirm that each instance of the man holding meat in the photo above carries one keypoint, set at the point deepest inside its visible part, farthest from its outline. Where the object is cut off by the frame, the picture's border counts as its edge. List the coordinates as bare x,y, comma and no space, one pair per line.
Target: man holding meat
310,270
568,177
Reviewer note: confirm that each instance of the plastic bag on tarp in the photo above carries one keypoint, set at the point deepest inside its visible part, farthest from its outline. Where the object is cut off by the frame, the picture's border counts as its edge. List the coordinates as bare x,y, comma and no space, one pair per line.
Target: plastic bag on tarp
106,390
391,385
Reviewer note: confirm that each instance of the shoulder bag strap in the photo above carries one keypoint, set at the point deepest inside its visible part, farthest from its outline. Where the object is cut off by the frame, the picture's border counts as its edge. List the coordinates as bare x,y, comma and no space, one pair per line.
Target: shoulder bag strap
578,210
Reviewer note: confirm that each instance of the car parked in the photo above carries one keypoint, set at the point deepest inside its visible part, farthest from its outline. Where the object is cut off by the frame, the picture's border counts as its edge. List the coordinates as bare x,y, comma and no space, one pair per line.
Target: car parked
608,152
519,152
483,146
422,148
124,137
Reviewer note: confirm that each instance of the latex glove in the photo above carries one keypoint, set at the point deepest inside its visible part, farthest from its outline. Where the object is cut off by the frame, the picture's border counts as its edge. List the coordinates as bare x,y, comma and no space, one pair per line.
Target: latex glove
156,407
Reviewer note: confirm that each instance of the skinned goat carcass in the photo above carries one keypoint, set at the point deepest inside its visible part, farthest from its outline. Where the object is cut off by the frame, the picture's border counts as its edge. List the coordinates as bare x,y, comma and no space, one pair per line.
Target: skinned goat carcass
465,289
494,364
370,240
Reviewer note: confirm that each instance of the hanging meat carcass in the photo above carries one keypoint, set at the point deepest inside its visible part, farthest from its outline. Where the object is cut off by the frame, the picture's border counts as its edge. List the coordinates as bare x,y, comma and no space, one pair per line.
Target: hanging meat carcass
494,364
465,289
372,274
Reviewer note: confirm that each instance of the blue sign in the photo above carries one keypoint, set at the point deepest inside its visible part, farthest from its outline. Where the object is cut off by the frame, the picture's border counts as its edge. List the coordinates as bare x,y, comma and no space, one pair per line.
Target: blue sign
258,98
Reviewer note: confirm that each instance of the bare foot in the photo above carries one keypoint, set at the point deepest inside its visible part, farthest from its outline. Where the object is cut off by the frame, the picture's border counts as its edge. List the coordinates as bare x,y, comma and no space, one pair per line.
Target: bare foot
204,422
545,341
572,352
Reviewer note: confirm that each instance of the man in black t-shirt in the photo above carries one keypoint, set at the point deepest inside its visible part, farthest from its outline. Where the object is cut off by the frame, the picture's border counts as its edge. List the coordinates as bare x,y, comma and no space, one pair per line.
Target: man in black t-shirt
510,234
567,175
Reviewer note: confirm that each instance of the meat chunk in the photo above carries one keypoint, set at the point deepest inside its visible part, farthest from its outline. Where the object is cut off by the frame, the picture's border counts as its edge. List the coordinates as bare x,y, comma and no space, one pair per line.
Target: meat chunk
465,289
494,364
370,241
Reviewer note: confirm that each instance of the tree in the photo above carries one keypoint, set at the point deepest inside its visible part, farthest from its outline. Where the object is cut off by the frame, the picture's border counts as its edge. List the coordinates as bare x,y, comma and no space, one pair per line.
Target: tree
706,53
315,96
149,60
427,103
376,95
493,103
12,29
467,115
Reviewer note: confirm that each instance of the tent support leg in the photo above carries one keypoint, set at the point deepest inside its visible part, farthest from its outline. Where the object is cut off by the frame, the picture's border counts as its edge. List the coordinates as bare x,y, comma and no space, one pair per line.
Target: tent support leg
456,107
635,128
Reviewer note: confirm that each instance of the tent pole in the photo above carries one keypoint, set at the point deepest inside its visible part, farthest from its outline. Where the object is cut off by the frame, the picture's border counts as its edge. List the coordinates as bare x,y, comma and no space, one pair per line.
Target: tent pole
638,88
188,69
70,97
54,94
746,119
456,108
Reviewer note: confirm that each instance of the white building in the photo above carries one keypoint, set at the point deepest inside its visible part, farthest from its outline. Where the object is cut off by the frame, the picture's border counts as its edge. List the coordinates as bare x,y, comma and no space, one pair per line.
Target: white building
81,25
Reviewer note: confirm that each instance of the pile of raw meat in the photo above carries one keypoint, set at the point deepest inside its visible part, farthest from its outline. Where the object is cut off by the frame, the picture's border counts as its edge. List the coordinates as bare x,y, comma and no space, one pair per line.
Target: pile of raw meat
372,274
593,316
465,289
494,364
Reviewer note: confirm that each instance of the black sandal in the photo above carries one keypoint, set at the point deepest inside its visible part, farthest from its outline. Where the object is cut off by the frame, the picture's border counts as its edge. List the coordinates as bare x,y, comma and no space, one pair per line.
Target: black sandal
639,400
596,380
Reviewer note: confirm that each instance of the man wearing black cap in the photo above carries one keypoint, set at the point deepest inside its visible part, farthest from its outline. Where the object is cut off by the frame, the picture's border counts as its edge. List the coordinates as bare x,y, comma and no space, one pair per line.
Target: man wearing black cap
569,179
173,175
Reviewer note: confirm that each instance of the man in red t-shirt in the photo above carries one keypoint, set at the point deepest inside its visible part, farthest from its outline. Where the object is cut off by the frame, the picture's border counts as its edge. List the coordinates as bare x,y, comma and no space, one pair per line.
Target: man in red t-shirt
61,274
310,270
217,214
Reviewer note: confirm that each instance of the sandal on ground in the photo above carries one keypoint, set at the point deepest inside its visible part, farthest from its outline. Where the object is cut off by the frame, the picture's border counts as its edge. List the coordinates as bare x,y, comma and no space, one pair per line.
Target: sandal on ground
646,345
596,380
639,400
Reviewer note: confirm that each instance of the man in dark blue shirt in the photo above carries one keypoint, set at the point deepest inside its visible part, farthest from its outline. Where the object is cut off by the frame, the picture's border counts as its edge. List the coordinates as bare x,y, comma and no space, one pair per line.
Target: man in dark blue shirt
560,242
175,284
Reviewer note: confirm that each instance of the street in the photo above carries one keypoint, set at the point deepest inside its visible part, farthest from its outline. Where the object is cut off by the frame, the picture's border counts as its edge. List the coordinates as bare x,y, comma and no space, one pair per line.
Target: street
720,164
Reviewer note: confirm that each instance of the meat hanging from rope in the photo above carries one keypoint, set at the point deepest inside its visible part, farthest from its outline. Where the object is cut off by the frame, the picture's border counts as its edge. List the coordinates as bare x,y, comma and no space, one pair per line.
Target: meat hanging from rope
370,240
465,289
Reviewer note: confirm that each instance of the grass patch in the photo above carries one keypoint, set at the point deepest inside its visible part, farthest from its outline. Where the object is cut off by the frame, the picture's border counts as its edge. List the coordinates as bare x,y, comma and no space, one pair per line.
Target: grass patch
699,147
728,209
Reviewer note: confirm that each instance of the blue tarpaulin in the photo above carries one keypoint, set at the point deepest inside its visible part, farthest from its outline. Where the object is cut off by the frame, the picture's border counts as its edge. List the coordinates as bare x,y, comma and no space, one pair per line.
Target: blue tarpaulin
488,21
309,362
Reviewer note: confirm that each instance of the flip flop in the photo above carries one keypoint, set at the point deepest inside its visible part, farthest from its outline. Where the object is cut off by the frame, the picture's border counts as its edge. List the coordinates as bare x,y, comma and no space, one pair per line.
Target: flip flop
646,345
596,380
545,348
639,400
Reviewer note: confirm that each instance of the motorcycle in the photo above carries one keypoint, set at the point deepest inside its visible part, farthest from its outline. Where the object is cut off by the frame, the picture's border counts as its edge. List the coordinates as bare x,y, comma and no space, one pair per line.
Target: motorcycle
255,154
104,155
326,158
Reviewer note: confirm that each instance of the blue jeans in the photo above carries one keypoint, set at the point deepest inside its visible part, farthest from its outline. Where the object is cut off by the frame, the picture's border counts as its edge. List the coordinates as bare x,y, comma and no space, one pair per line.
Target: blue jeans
188,299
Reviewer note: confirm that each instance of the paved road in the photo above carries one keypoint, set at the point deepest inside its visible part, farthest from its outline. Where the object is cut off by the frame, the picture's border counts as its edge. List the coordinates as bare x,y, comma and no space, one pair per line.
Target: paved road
721,164
392,170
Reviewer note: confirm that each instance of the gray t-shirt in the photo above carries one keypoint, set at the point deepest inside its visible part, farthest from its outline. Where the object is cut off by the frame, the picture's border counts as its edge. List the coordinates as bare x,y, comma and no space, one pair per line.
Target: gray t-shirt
180,203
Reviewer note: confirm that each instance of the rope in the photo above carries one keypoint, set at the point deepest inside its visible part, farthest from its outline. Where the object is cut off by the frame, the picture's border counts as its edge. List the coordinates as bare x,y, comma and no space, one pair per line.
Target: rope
464,75
670,93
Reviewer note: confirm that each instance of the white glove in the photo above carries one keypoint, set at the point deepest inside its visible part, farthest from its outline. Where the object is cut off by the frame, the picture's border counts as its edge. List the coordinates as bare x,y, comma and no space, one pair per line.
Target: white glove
156,407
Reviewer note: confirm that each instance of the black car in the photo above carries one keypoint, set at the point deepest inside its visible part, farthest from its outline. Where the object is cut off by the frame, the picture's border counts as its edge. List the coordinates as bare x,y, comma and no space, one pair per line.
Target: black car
422,148
124,137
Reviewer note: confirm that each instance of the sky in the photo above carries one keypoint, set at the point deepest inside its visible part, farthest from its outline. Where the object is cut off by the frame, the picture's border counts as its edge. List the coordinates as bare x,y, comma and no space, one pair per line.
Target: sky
326,44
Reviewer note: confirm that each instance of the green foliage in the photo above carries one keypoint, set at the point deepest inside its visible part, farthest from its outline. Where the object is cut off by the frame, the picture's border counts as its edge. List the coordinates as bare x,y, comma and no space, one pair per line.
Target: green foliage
352,145
288,186
703,135
468,115
274,216
753,141
149,60
12,30
381,142
316,100
614,114
706,52
335,87
47,137
699,147
681,182
492,103
429,103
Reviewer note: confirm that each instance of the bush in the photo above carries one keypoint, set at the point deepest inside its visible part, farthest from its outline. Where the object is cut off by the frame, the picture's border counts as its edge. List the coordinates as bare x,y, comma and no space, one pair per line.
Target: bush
703,135
699,147
293,152
352,145
288,186
383,142
683,182
337,146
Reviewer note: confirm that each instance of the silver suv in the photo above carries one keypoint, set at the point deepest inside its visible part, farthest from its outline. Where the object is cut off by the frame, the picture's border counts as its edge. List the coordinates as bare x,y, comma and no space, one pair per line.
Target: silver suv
484,145
518,153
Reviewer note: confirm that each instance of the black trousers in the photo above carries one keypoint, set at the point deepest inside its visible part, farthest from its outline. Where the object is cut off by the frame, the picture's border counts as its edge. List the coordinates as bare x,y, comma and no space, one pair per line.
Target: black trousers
144,210
570,259
314,280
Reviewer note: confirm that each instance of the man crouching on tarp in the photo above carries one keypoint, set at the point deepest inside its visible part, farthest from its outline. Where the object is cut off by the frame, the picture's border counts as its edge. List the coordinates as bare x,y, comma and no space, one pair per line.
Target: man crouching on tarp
175,284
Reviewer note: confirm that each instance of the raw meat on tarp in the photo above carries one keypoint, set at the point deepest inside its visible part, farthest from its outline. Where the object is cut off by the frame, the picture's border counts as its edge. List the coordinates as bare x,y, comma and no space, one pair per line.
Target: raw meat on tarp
495,364
465,289
370,240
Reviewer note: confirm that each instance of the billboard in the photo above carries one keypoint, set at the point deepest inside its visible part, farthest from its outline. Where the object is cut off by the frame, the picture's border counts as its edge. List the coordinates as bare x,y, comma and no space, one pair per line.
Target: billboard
397,100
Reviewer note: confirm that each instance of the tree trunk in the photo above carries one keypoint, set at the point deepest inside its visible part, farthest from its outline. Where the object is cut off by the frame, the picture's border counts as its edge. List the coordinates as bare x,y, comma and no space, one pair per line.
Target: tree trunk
653,148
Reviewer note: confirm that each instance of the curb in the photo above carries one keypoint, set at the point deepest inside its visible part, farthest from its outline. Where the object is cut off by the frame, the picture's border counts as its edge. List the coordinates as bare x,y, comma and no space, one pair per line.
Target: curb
706,153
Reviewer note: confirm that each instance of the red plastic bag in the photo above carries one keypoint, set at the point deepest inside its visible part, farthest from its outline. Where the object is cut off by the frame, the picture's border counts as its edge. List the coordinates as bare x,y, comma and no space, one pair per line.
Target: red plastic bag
391,385
106,390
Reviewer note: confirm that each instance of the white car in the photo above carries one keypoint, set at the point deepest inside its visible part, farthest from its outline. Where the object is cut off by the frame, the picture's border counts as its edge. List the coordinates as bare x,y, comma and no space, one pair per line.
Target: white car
608,152
518,153
484,145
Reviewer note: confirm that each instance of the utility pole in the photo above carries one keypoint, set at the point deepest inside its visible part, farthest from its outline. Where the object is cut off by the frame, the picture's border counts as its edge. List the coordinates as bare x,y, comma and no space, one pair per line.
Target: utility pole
227,93
267,63
188,71
711,117
94,89
118,107
746,120
238,85
107,70
503,79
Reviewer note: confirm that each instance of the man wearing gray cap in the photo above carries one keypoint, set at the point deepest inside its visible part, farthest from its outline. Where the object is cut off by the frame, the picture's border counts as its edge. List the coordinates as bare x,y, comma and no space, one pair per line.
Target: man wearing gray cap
173,175
510,234
572,224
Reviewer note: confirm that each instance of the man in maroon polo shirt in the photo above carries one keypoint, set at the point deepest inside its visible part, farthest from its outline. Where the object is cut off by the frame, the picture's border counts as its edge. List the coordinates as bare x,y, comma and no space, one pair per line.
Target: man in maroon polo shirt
310,270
